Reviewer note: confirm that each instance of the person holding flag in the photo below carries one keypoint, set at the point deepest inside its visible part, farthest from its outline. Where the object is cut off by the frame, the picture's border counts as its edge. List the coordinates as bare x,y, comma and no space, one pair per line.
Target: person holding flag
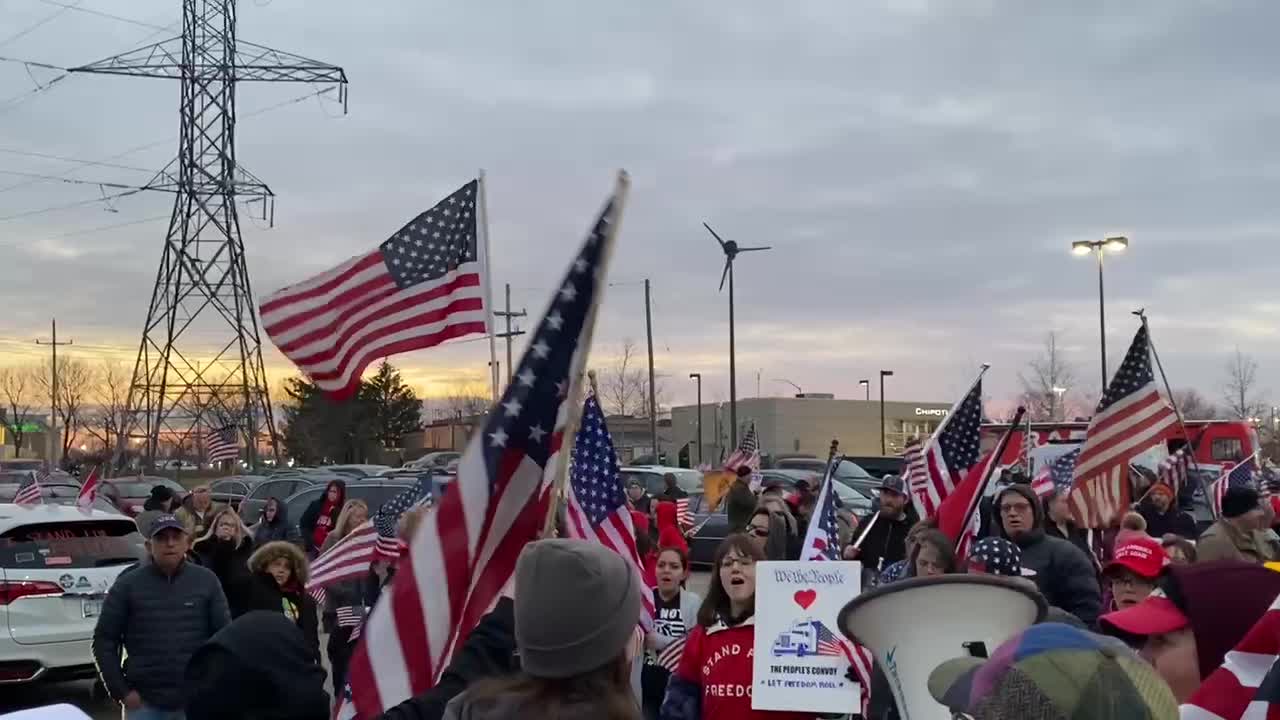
1237,534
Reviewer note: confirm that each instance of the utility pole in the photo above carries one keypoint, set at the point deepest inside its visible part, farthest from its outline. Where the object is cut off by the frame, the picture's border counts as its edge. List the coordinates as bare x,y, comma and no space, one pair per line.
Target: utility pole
507,314
55,441
698,377
653,393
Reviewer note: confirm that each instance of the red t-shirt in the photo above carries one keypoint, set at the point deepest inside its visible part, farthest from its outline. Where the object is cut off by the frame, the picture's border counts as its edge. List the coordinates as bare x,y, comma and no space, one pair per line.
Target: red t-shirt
718,659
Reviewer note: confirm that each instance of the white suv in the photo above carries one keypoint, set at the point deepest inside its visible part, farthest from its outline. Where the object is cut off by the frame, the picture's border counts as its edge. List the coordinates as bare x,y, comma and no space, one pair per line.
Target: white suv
56,565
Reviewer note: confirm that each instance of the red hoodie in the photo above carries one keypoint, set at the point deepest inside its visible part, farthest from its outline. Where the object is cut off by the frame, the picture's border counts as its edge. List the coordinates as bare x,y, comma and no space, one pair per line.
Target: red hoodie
669,534
718,660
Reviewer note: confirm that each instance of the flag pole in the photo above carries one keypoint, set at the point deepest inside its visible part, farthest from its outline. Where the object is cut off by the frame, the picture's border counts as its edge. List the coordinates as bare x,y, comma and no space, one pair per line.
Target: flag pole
1191,441
976,501
578,369
482,226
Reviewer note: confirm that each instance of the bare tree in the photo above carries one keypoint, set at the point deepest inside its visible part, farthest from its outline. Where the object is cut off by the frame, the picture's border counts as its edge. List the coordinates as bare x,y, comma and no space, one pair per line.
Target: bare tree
75,380
1194,406
1240,387
17,390
108,420
624,384
467,397
1047,383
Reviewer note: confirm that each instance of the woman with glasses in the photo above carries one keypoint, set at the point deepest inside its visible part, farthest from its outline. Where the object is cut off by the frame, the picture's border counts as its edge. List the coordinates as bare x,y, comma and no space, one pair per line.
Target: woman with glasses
713,680
1132,574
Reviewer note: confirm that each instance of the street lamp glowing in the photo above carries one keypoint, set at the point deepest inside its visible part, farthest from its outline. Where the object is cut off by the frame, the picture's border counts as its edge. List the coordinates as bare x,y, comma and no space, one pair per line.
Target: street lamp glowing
1082,247
1115,244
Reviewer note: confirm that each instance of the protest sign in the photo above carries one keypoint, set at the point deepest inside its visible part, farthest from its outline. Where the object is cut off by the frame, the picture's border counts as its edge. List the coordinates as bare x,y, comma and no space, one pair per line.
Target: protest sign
800,657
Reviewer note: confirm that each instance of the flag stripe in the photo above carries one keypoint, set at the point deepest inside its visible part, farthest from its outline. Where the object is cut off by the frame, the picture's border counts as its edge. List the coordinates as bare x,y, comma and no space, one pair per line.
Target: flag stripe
320,287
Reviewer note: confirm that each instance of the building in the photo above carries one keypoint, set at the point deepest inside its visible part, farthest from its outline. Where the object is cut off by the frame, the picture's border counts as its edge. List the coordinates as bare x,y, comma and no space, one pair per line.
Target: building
806,425
35,437
632,438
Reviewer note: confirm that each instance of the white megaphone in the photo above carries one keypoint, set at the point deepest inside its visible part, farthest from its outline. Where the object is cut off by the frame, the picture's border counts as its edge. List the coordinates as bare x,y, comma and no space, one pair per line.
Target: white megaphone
912,626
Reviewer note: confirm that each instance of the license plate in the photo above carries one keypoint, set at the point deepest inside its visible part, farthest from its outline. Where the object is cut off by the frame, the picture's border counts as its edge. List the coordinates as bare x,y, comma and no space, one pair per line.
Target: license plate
91,608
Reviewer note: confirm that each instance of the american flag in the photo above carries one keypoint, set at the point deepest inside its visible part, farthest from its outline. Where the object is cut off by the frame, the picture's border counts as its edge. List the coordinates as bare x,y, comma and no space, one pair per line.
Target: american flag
1055,475
29,493
88,490
223,444
353,617
1247,684
596,503
377,539
1173,470
828,644
822,539
949,452
914,471
1239,476
669,656
747,454
422,286
465,550
684,518
1131,418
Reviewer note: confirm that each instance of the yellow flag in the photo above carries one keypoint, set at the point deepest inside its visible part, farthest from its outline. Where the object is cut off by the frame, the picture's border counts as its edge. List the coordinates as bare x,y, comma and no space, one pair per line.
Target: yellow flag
715,485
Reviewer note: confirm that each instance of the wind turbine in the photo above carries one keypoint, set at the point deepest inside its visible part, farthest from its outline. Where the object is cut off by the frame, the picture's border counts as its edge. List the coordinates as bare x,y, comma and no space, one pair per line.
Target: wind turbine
731,250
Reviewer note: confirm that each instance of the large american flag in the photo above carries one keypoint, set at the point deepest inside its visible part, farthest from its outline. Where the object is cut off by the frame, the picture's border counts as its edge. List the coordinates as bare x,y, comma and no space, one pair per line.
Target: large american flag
1055,475
422,286
29,492
822,539
1239,476
223,444
1130,419
949,452
1247,684
747,454
1173,470
352,556
465,550
596,503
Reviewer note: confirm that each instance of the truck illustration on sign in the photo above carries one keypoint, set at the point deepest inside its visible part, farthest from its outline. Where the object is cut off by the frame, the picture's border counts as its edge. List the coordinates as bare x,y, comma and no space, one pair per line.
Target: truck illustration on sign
808,637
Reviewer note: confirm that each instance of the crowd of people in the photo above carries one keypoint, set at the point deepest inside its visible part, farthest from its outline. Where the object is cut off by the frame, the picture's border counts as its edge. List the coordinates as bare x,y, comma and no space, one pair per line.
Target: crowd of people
1155,607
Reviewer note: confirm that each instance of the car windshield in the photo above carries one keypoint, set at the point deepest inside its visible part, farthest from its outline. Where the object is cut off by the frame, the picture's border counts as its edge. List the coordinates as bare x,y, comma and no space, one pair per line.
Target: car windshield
852,471
689,481
81,544
15,477
143,489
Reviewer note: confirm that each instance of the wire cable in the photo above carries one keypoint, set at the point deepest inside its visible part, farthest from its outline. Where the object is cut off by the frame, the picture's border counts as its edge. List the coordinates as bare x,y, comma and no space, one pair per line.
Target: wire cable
69,206
42,21
100,13
61,158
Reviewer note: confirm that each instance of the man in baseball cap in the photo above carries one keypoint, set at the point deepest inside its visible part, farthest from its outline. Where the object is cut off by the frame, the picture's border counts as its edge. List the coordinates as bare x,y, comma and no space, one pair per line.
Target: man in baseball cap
1133,572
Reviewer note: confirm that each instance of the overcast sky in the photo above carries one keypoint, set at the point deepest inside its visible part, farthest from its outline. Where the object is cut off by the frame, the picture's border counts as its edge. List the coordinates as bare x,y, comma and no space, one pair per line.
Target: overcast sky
919,167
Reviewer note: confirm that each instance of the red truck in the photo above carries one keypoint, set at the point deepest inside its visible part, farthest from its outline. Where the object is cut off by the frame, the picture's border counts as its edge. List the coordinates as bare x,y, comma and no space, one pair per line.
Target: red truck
1216,442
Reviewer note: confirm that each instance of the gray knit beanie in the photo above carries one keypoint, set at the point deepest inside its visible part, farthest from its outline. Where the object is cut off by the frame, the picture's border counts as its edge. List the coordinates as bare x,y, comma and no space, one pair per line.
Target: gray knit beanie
577,605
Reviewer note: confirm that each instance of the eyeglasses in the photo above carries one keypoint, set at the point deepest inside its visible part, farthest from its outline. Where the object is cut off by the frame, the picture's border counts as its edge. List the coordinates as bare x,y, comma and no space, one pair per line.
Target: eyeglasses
1131,581
737,561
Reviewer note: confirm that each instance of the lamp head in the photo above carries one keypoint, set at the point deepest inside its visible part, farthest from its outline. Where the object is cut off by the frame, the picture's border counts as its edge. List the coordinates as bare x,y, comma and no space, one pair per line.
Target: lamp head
1081,247
886,373
1115,243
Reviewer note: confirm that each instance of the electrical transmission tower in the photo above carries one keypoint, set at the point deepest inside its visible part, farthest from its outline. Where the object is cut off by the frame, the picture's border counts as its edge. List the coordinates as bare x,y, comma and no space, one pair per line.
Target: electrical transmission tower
202,298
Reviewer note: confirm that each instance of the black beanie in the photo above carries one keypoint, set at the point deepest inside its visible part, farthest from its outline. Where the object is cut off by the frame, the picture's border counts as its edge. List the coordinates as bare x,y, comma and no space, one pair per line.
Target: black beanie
1237,501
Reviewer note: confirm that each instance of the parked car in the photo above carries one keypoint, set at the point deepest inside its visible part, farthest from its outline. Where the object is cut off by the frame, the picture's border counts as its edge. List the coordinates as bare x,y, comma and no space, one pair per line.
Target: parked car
21,464
374,491
56,565
276,486
179,465
130,492
433,460
355,470
234,489
54,493
850,499
879,466
688,480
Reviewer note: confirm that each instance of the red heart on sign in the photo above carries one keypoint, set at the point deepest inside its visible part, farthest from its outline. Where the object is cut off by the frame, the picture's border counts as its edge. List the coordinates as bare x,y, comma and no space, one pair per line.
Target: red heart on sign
805,598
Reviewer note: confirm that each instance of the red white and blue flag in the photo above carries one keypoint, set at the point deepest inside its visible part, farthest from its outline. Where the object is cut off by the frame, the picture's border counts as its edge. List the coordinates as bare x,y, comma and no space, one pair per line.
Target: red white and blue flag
828,643
1247,684
822,539
465,551
1239,476
1173,470
596,503
948,454
30,492
1055,475
223,444
422,286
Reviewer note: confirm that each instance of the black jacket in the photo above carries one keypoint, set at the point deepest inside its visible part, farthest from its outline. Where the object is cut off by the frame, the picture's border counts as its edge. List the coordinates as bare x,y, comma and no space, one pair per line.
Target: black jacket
265,594
280,528
1063,572
160,622
1173,520
886,541
231,565
489,651
257,668
739,505
1074,535
307,523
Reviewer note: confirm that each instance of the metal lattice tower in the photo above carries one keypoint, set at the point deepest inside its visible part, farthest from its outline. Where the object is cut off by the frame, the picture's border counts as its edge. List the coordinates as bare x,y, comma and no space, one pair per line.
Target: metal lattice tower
202,291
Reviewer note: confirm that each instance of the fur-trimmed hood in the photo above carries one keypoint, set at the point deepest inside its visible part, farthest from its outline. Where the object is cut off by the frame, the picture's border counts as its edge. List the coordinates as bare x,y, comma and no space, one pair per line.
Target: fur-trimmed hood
272,551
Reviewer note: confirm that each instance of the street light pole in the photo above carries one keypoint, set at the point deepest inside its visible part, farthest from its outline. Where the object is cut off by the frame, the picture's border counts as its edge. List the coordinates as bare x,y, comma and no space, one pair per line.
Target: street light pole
866,385
799,392
883,447
1100,247
698,377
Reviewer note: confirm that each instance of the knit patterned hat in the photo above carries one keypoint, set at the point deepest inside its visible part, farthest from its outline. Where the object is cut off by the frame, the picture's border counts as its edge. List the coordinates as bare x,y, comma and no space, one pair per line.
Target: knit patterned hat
996,556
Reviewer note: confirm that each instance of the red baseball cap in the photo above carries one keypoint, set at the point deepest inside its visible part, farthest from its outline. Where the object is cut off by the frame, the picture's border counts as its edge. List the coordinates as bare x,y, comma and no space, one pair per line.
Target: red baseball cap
1141,555
1154,616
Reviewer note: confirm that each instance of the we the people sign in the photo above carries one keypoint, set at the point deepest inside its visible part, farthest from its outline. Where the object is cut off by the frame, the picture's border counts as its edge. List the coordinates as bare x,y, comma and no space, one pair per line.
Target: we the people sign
800,657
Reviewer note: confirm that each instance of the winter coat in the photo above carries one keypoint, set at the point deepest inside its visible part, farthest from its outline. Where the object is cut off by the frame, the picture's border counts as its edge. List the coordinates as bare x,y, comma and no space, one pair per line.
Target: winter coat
1074,535
713,680
197,522
488,651
279,529
669,534
1222,541
1063,572
1173,520
257,668
739,505
307,523
464,707
159,622
886,541
291,601
231,564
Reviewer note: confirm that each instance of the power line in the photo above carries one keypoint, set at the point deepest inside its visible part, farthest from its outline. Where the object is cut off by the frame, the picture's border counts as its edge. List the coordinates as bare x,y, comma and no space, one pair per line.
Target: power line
100,13
76,181
112,226
69,206
61,158
51,16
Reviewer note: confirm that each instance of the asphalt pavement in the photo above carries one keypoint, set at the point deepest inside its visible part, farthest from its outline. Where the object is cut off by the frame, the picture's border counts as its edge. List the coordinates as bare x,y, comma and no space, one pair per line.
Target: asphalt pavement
80,693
